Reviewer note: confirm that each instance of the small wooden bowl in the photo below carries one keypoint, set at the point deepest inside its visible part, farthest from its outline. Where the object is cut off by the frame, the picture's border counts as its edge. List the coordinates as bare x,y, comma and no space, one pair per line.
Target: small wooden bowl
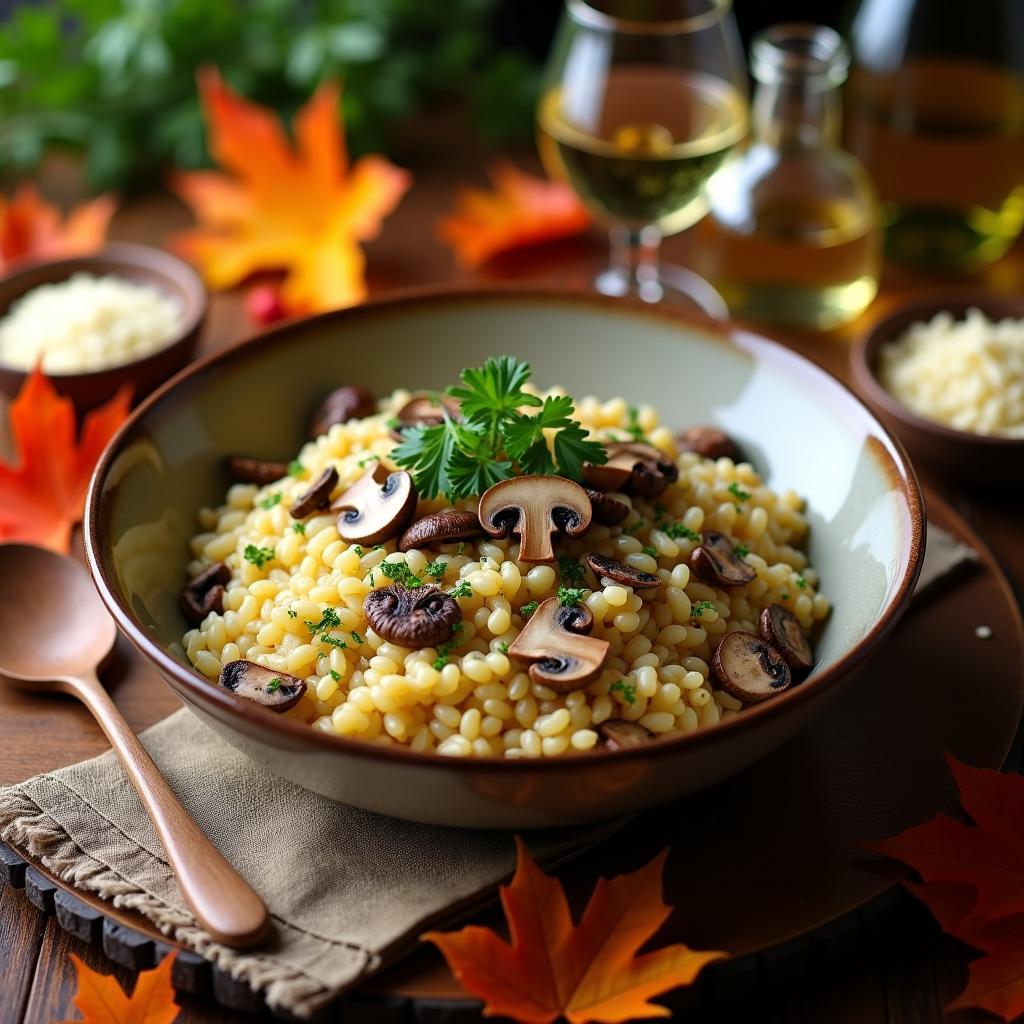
144,265
955,454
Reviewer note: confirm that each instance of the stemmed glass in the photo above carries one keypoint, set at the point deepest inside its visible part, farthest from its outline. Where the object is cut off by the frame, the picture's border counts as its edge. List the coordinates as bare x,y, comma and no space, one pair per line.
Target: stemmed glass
642,102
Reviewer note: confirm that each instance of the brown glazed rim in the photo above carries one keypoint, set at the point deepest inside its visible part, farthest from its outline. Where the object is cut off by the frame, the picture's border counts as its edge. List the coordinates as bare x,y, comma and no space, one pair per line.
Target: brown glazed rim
886,449
146,261
864,358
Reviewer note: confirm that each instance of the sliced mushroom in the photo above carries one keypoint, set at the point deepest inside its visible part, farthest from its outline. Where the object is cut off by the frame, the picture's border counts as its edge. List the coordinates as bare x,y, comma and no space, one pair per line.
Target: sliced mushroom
441,528
276,691
607,511
377,507
716,563
535,507
710,442
618,734
425,410
255,471
608,571
749,668
317,496
204,593
780,627
421,617
633,468
555,643
350,402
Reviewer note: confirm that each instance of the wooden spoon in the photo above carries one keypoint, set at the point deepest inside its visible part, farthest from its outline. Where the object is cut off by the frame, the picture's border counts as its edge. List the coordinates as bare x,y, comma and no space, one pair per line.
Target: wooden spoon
54,632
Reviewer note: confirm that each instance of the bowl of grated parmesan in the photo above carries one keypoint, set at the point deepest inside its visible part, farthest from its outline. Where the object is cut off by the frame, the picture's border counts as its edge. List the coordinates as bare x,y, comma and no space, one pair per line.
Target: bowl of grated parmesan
947,377
128,313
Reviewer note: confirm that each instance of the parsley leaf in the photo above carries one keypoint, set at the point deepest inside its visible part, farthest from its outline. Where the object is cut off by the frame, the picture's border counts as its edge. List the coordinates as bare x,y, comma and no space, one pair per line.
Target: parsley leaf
426,452
274,685
737,492
741,551
357,639
628,691
292,614
652,552
274,499
801,582
633,428
570,569
701,607
528,609
258,556
677,531
570,596
400,573
296,468
336,676
437,569
503,647
461,589
299,527
494,391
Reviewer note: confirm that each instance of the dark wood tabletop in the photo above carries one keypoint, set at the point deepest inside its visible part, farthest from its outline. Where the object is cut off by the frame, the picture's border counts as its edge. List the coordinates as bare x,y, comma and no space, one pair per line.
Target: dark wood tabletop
905,975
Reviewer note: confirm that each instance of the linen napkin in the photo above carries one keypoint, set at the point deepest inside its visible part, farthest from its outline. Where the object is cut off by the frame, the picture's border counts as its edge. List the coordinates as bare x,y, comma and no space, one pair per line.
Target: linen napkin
349,891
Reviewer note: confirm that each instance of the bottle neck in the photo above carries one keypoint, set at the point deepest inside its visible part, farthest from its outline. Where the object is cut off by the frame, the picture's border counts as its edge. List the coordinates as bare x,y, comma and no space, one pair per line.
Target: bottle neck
796,114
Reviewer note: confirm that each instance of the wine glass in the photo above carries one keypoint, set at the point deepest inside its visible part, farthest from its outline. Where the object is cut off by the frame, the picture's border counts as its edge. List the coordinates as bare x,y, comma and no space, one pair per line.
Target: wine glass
642,102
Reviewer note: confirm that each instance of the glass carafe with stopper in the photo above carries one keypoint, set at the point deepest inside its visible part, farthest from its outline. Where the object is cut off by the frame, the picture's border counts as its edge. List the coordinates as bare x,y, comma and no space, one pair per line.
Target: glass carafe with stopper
793,235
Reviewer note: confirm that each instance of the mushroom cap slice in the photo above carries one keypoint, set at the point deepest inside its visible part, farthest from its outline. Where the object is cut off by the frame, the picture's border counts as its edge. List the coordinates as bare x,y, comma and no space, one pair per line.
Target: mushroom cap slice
317,496
377,507
255,471
276,691
204,593
607,570
349,402
709,442
716,563
749,668
555,644
441,528
633,468
535,507
607,511
781,628
618,734
417,617
427,410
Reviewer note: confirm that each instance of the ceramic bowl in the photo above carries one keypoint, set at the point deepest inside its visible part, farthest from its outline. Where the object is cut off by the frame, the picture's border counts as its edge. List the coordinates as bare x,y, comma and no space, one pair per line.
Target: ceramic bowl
955,454
799,426
140,263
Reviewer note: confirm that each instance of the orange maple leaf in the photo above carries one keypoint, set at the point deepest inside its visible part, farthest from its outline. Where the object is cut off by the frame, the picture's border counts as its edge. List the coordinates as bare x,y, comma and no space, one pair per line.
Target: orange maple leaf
587,972
32,229
297,208
42,493
102,1000
522,210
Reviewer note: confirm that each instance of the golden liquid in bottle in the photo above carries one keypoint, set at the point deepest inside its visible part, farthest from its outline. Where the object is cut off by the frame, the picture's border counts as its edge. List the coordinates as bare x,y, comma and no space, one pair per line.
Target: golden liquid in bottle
944,141
643,154
812,262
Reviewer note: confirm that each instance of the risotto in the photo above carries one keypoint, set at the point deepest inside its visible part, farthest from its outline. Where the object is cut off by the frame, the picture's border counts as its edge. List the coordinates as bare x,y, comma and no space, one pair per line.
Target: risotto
446,638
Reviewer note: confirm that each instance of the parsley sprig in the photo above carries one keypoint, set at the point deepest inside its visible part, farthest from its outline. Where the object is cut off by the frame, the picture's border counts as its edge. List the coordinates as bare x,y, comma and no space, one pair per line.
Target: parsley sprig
496,440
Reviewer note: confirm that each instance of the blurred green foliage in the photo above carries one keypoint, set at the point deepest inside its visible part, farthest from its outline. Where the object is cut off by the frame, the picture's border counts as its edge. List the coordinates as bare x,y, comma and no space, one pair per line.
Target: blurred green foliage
117,77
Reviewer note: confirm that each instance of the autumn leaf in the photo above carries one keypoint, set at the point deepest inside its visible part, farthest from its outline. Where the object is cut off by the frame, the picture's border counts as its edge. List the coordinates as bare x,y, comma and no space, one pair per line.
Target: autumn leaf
293,207
102,1000
42,494
31,229
522,210
586,972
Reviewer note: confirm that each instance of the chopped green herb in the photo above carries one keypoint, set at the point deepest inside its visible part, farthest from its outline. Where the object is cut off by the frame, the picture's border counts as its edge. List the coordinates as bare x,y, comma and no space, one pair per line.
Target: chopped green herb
326,638
392,423
373,582
436,569
801,582
741,551
336,676
440,661
678,532
461,548
358,550
274,499
701,607
367,459
570,596
330,620
461,589
737,492
296,468
785,597
400,573
299,527
274,685
633,428
503,647
292,614
528,609
258,556
443,650
628,691
357,639
653,552
570,569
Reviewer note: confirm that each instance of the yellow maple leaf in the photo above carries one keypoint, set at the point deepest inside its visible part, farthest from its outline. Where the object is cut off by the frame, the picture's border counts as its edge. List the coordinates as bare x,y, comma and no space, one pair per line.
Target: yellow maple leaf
300,207
586,972
102,1000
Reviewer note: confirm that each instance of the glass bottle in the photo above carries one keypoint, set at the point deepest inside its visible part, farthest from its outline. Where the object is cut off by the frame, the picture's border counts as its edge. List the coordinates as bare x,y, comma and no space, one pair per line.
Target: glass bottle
792,235
935,108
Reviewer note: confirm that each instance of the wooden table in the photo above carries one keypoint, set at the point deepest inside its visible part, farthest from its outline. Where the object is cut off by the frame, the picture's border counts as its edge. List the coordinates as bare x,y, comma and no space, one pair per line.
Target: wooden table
907,975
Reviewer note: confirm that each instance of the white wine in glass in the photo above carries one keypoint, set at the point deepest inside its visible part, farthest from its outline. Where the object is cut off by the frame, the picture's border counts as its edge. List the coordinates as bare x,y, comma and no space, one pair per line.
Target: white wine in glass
643,102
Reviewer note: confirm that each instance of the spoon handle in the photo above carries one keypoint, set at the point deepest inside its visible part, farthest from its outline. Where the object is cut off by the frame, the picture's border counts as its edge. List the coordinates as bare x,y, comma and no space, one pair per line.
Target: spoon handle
220,898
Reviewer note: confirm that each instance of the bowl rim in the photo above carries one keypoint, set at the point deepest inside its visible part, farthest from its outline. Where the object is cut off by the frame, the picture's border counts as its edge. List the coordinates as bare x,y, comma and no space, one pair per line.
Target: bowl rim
201,691
870,341
154,263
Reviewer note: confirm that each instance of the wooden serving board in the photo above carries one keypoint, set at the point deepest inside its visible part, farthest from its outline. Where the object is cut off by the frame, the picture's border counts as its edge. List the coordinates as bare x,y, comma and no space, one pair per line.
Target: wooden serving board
770,865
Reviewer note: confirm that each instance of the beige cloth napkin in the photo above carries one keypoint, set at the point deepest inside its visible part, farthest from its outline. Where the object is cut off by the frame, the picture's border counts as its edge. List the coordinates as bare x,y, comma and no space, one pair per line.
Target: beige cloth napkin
349,891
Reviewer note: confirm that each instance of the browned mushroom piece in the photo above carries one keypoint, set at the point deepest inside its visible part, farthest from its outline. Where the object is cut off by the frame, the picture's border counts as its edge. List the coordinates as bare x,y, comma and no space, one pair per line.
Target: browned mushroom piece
749,668
607,511
618,734
608,571
425,410
377,507
417,617
317,496
276,691
349,402
204,593
716,563
255,471
535,508
780,627
710,442
441,528
555,643
633,468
